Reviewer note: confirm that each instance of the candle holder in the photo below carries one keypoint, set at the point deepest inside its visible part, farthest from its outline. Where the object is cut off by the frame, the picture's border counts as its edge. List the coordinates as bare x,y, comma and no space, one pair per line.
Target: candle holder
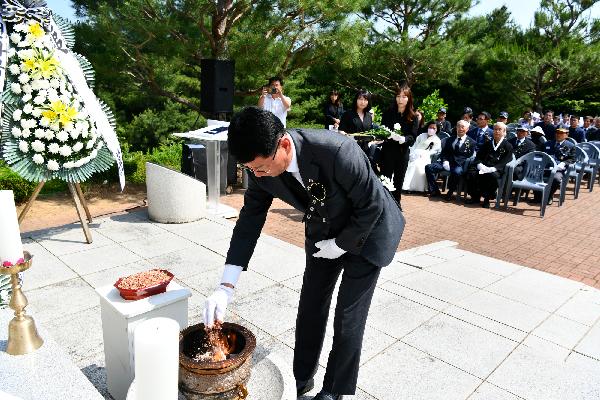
23,337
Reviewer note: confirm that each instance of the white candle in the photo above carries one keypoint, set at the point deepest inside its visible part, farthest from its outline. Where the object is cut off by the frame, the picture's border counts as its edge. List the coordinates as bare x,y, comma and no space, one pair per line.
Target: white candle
156,353
11,248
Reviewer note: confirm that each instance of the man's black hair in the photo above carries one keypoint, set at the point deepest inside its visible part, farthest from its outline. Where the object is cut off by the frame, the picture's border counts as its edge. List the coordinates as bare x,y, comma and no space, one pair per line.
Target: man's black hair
276,78
253,132
486,114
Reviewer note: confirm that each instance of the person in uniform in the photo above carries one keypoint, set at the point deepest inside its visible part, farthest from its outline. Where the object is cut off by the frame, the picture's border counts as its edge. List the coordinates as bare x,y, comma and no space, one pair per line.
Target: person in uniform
454,155
353,227
488,167
563,153
521,145
443,125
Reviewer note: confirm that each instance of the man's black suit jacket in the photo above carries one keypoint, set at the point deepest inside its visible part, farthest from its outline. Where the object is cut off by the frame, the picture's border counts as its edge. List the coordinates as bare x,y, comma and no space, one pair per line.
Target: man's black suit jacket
346,201
527,146
494,158
457,158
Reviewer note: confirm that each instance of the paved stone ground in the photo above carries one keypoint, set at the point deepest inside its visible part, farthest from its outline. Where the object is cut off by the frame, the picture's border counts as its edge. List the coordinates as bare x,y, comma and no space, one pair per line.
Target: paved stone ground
565,242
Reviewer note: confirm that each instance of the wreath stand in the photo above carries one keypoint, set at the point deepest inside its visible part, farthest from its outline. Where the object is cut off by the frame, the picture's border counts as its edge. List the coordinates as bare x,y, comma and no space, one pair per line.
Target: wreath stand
78,200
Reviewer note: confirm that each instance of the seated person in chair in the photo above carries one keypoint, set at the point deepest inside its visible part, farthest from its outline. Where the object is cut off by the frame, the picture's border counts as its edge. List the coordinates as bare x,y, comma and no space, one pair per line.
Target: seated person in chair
563,153
521,146
492,157
482,133
454,154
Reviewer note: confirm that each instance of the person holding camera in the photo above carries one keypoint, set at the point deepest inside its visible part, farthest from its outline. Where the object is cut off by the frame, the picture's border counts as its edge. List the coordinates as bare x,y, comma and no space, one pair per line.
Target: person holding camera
272,99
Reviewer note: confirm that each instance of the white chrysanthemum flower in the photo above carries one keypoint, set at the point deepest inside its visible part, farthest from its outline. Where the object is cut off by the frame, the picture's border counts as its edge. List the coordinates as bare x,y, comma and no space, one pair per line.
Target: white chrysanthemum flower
25,54
63,136
90,144
15,88
77,147
38,146
23,146
15,38
100,145
49,135
37,112
45,121
27,89
25,133
397,126
74,134
14,69
28,123
54,83
68,165
65,150
26,98
16,132
39,133
28,109
23,78
94,153
39,100
35,84
17,114
55,126
23,43
53,165
45,84
53,148
20,27
69,127
42,93
11,52
38,159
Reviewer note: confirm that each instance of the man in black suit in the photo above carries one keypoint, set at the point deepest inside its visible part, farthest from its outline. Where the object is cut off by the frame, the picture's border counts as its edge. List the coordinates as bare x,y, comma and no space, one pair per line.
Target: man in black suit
521,146
454,154
547,125
482,132
483,174
563,152
353,227
594,135
442,124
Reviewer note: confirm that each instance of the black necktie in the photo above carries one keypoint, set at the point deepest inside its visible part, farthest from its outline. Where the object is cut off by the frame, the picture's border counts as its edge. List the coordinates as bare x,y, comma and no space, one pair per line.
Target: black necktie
295,187
457,146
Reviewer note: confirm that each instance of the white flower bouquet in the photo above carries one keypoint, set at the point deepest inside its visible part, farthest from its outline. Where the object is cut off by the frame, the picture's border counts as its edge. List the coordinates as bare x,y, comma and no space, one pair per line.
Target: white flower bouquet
387,183
47,130
383,132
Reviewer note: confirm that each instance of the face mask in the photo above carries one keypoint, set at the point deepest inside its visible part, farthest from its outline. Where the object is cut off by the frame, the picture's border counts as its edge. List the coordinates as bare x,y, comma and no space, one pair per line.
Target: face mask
430,132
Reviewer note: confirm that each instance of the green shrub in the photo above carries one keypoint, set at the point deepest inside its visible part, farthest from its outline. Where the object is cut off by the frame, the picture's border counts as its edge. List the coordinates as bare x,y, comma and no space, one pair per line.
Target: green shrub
10,180
431,104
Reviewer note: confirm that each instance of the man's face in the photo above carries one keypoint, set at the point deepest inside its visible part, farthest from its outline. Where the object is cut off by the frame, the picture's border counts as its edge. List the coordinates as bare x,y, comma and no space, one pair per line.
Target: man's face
587,122
502,119
461,129
276,85
521,133
574,122
467,117
499,133
556,120
566,118
441,116
597,122
548,117
482,121
275,164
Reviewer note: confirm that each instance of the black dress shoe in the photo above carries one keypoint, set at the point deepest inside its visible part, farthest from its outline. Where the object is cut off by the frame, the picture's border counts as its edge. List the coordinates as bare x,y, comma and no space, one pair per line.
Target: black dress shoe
323,395
486,203
304,386
550,201
435,194
448,196
472,201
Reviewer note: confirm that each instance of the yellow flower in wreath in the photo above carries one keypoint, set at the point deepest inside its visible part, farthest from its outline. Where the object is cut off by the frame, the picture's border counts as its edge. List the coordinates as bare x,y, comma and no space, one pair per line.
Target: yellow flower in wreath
29,65
36,30
47,67
68,116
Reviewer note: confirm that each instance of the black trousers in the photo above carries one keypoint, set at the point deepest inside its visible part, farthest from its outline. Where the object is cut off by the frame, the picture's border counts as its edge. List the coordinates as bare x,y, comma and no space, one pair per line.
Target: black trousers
482,185
394,161
359,278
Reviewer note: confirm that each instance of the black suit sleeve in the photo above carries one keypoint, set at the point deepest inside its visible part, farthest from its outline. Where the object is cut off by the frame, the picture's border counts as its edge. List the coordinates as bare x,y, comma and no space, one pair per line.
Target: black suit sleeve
506,157
249,225
346,123
352,171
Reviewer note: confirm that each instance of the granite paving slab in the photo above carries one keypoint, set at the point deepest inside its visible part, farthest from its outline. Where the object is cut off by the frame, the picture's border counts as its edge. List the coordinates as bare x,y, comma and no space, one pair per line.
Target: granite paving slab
61,299
100,258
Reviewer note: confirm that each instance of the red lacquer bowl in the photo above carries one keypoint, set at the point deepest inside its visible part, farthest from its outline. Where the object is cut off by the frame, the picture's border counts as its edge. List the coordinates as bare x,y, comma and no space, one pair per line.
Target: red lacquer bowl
137,294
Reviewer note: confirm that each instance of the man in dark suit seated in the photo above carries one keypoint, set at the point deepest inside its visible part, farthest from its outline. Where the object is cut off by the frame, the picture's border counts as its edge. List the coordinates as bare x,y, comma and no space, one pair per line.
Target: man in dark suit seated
353,228
483,174
482,133
521,146
454,154
575,131
547,125
563,153
594,135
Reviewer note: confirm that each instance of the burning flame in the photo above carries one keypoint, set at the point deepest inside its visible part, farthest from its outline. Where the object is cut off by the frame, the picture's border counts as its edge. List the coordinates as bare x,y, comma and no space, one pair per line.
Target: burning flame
218,345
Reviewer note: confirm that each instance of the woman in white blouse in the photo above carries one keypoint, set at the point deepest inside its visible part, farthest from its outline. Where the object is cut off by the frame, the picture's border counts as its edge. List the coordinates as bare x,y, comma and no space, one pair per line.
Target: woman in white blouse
426,144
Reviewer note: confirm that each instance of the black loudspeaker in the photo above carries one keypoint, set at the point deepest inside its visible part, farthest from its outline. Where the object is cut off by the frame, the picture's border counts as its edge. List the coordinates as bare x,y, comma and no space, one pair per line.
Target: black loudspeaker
216,85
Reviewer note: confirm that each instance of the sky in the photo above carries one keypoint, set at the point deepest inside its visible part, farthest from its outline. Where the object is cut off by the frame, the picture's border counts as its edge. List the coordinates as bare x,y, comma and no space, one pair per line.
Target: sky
521,10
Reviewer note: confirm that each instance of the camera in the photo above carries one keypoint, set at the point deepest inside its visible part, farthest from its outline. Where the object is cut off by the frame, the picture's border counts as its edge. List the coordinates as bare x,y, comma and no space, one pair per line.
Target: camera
273,91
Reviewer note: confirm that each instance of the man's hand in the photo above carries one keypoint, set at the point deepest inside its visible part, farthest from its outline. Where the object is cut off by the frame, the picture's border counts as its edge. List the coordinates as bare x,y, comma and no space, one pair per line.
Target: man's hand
328,249
446,165
216,304
480,166
265,91
562,166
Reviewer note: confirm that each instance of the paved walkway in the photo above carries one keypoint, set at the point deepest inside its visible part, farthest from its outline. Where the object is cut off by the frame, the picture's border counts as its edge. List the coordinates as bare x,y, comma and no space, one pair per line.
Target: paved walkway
565,242
445,323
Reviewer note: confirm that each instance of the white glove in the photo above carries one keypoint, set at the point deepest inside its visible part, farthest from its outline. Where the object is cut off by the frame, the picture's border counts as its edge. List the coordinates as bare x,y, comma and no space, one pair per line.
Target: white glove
480,166
398,138
216,304
561,166
328,249
446,165
491,169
